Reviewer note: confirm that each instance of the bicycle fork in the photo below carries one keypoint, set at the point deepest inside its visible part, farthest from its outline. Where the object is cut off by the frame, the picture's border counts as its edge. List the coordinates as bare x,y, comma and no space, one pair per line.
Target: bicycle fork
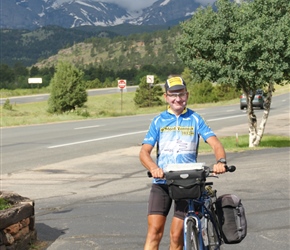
201,230
197,224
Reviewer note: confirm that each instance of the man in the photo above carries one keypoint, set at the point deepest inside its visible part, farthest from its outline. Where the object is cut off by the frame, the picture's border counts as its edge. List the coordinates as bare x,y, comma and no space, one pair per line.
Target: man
176,132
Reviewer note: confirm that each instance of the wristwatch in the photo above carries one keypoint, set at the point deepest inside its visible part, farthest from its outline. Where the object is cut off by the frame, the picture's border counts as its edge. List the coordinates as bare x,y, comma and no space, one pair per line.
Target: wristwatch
222,160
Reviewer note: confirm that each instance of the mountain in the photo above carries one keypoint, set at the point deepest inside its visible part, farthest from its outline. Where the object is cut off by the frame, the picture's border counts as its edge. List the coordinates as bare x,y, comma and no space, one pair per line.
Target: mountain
167,12
32,14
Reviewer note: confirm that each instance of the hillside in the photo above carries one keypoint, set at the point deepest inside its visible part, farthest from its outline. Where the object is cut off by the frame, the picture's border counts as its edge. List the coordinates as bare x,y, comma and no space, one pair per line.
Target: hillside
120,52
29,47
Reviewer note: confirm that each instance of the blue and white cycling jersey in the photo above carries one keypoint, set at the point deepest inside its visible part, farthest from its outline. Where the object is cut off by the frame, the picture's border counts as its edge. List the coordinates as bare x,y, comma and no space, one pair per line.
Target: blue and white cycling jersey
177,137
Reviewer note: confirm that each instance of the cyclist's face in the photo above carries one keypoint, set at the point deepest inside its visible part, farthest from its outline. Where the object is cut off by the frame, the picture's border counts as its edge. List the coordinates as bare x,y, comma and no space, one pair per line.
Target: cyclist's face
177,100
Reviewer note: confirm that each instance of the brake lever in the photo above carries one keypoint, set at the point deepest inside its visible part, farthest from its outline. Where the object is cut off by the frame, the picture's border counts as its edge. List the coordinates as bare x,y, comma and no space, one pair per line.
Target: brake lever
213,175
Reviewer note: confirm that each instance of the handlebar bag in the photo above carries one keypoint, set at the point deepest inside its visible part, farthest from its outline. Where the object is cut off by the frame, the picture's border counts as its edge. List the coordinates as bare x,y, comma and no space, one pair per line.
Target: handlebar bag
232,218
186,184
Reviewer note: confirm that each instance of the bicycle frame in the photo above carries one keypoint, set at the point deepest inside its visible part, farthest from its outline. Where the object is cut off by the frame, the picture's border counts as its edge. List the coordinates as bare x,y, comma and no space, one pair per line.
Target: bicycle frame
202,203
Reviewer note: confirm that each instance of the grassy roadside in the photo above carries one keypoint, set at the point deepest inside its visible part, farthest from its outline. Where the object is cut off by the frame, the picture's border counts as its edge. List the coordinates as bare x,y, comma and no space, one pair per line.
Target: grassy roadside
231,144
100,106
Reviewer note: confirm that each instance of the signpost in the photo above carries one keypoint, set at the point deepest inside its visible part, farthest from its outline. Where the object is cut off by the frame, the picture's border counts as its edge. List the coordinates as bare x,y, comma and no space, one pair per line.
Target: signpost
150,81
122,85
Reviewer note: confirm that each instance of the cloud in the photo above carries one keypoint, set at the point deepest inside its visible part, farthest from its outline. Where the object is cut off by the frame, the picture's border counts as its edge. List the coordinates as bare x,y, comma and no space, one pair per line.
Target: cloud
134,5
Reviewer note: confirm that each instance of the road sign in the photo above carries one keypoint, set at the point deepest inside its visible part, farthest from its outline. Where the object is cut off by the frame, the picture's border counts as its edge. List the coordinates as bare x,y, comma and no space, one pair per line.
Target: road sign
150,79
122,84
34,80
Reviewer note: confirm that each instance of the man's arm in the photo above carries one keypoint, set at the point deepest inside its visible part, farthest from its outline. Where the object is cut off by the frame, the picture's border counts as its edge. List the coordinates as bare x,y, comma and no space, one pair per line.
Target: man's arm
219,152
147,161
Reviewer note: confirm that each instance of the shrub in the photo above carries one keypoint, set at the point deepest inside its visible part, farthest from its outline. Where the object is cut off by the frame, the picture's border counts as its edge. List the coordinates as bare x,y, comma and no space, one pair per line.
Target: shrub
68,90
4,204
7,105
148,95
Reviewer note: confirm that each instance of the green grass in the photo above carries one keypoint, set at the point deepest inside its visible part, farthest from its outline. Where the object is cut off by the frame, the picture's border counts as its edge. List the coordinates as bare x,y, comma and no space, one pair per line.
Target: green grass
231,144
96,107
34,90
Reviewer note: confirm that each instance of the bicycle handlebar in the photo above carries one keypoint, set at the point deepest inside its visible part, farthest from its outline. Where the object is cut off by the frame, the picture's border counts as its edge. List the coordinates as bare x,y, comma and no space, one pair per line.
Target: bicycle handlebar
228,169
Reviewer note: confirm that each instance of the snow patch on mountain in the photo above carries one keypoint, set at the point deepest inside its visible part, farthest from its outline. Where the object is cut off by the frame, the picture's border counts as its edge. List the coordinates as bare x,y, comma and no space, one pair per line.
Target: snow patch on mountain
165,3
31,14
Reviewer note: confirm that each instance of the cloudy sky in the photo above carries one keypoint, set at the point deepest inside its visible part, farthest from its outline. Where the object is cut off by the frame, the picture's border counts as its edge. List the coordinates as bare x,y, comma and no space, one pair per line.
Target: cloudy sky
138,4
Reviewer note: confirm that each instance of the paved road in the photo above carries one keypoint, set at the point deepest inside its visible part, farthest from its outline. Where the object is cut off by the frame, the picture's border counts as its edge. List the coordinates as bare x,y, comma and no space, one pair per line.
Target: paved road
98,200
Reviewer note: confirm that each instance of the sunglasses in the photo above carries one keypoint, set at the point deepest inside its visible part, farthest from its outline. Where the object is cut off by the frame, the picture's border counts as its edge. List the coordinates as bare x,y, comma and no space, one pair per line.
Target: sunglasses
175,95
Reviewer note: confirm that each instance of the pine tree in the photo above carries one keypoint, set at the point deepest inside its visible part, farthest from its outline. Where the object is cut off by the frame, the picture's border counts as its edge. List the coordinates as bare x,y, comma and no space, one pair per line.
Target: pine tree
148,95
68,89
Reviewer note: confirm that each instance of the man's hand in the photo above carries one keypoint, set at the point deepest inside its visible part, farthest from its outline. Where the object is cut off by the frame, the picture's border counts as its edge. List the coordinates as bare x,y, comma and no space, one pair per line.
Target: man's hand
157,173
219,168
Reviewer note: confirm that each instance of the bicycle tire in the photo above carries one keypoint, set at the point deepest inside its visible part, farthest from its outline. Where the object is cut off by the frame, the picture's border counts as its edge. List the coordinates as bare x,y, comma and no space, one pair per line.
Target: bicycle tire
191,236
213,236
213,239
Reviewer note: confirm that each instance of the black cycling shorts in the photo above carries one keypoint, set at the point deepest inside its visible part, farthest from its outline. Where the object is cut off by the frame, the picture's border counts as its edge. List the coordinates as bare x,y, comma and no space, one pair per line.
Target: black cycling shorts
160,202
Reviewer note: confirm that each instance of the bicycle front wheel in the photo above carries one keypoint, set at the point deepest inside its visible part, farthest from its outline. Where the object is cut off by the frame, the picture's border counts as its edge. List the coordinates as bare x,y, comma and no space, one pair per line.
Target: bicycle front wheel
191,236
213,239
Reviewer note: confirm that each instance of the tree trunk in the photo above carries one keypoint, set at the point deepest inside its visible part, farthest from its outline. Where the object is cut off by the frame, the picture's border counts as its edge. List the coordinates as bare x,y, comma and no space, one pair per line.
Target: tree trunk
265,116
255,135
252,121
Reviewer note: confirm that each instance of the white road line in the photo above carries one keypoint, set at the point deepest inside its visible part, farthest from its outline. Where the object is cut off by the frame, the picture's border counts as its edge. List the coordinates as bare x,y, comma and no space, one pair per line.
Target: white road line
96,126
98,139
121,135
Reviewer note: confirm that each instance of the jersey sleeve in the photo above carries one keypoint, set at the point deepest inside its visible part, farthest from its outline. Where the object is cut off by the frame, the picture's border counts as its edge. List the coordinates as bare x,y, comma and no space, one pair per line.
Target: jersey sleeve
204,130
152,134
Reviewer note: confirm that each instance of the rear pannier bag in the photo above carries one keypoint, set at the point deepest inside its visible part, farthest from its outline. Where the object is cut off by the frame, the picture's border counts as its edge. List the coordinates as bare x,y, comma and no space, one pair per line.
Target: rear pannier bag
185,184
232,218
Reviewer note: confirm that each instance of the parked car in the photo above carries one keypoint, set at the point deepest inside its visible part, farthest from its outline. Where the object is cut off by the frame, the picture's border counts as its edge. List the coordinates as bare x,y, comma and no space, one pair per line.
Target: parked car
258,100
